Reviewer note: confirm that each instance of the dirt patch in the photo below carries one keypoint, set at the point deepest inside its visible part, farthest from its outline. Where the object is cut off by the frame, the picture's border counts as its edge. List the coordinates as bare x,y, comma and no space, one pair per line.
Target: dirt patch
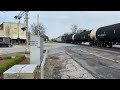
53,57
1,76
13,54
56,72
37,74
2,61
52,67
26,61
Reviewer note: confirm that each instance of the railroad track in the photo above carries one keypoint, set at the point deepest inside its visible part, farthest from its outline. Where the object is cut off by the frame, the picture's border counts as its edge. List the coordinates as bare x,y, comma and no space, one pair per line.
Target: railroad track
106,49
103,50
113,50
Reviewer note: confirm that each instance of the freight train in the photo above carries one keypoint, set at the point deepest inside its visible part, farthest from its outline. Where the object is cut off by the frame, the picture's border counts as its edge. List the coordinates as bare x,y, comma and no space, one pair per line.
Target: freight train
102,37
59,39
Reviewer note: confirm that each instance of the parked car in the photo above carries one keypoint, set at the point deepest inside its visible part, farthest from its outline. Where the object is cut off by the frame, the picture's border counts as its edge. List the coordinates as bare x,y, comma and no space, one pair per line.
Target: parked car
4,44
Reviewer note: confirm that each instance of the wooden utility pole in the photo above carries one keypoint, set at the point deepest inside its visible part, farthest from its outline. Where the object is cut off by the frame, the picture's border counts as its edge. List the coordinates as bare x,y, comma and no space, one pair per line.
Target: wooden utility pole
27,28
18,33
38,24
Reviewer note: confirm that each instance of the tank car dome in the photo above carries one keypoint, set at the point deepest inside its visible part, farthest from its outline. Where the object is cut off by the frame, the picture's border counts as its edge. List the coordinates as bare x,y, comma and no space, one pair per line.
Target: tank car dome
93,34
73,36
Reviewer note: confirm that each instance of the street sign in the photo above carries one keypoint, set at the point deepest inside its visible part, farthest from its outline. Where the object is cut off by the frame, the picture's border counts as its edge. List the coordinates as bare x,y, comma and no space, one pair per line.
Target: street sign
36,49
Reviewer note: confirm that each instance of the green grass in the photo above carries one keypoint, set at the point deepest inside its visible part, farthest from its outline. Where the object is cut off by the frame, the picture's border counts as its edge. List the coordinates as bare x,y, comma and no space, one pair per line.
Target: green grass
5,57
8,64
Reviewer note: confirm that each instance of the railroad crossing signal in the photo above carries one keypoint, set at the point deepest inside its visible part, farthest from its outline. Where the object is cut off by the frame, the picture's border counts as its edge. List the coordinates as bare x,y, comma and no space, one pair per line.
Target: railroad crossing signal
24,28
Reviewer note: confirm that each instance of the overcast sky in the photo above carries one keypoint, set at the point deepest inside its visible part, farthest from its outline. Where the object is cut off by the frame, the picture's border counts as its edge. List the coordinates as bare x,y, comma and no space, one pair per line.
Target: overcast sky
59,22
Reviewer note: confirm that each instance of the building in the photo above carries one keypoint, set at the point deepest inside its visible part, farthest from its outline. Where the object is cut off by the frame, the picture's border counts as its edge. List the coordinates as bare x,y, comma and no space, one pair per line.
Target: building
12,33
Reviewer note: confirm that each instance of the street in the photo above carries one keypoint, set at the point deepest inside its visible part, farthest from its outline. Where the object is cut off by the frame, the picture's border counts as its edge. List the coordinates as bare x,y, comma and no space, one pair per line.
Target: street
61,66
100,63
78,61
14,49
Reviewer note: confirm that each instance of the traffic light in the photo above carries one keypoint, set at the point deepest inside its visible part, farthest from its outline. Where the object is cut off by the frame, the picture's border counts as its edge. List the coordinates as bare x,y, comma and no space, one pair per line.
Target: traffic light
24,28
15,17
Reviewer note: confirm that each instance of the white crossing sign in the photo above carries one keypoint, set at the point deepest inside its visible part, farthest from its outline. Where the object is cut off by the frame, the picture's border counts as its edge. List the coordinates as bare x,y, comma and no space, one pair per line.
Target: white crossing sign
36,49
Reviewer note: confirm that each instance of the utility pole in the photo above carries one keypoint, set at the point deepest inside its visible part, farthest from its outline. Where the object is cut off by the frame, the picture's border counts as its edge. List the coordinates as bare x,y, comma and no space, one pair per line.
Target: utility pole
38,23
19,16
18,33
24,20
27,29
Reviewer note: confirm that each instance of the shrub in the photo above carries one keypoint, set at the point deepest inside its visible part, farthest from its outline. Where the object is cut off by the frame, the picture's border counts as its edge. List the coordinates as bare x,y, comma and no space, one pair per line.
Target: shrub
8,64
5,57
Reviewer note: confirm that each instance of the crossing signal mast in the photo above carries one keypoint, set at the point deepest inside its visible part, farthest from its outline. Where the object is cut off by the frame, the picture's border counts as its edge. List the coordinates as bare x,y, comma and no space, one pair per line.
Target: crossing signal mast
19,16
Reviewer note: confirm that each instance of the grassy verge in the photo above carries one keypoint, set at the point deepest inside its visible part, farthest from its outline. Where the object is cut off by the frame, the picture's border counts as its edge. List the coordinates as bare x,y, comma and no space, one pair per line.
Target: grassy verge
26,61
5,57
8,64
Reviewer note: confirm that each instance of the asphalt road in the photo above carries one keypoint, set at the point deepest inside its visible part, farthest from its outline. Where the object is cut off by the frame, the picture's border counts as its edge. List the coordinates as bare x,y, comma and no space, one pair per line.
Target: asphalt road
61,65
96,61
14,49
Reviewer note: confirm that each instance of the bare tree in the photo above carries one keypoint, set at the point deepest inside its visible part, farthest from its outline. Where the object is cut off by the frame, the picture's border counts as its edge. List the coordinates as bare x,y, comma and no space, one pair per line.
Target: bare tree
66,33
79,30
38,29
74,28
